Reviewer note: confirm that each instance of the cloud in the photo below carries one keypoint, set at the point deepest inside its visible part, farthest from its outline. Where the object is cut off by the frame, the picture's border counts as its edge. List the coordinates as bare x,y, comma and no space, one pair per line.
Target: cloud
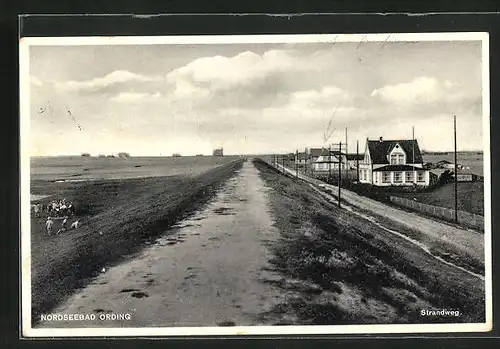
246,80
326,98
221,72
428,92
131,97
118,77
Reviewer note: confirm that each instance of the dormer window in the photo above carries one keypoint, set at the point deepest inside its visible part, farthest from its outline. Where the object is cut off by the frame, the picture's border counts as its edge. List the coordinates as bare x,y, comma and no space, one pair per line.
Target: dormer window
397,156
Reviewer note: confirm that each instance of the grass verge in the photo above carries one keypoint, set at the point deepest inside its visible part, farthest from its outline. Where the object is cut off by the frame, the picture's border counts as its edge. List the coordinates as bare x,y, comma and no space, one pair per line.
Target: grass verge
356,271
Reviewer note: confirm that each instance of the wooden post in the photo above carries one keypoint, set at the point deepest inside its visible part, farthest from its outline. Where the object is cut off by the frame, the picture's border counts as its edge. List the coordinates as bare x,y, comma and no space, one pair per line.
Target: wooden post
330,163
297,164
340,169
456,167
346,161
305,161
357,160
413,143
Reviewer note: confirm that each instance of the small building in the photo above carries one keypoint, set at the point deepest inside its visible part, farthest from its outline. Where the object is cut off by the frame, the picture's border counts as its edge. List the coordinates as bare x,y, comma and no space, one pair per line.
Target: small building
123,155
315,153
218,152
353,160
466,177
332,161
85,155
393,163
445,164
435,175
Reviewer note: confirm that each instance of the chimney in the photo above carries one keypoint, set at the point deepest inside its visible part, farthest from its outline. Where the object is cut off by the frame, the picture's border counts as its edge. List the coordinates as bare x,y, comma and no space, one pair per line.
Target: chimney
381,139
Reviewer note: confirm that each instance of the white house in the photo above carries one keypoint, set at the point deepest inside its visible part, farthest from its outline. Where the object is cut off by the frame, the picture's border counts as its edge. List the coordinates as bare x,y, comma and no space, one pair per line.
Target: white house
392,163
324,162
314,153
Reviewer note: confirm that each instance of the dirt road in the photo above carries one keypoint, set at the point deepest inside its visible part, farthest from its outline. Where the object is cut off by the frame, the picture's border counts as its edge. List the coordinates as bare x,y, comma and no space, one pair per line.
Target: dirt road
468,241
209,270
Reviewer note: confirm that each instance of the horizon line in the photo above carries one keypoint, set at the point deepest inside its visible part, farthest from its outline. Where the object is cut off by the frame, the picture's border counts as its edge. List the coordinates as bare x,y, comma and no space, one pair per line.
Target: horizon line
239,154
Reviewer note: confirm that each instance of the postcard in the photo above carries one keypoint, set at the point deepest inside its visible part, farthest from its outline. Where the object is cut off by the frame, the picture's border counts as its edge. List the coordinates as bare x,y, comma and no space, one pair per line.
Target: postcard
255,185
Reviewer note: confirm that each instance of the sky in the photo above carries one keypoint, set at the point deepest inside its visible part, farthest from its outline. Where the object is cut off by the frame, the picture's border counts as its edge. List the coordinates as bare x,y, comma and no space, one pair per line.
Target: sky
155,100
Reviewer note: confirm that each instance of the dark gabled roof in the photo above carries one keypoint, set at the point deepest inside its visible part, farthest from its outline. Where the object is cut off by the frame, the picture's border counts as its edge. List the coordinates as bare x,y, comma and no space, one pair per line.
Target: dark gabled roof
315,152
380,149
355,156
398,168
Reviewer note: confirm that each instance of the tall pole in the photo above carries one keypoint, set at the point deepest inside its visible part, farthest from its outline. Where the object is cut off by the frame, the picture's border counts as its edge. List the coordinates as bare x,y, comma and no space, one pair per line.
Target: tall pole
413,143
346,161
357,160
456,166
306,160
297,164
340,170
330,163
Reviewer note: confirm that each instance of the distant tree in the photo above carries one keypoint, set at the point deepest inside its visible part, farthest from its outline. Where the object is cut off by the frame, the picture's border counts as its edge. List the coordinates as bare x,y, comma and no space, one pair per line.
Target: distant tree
446,177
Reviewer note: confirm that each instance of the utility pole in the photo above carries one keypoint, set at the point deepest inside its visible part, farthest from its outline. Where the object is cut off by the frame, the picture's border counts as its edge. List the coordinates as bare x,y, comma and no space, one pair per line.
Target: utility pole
340,170
346,161
297,164
456,166
413,143
357,160
305,161
330,163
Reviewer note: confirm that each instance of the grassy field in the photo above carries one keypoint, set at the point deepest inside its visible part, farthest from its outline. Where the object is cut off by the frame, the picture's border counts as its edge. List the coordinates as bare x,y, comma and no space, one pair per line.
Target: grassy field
119,216
472,160
343,269
77,168
470,197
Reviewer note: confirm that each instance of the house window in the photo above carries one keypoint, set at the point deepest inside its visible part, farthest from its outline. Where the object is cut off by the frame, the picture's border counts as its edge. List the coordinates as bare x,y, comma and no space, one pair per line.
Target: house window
398,177
420,176
394,159
401,159
386,177
409,176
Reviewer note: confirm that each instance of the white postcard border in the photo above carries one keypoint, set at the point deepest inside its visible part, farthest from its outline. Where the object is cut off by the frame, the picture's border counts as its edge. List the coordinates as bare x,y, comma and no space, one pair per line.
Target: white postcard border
25,301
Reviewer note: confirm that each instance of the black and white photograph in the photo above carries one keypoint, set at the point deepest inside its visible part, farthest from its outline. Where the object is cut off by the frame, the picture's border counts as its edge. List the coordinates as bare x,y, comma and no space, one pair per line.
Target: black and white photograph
255,184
